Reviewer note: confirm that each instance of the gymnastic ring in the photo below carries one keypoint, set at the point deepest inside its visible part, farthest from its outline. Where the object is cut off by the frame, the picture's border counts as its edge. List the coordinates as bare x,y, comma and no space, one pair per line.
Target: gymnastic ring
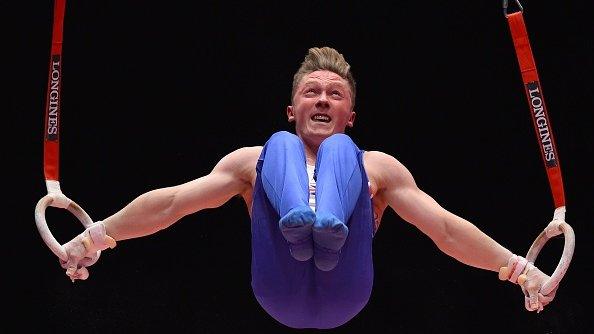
47,235
561,228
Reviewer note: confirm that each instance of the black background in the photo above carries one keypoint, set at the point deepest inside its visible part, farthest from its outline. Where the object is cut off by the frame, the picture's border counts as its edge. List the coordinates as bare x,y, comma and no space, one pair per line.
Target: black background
155,93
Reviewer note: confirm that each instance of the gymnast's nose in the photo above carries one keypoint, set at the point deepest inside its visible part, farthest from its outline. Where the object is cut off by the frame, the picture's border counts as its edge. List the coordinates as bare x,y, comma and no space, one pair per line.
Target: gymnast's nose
322,101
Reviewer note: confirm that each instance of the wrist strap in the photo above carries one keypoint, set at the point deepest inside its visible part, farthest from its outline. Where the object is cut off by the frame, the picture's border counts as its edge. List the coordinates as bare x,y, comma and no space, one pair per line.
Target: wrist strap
95,238
516,266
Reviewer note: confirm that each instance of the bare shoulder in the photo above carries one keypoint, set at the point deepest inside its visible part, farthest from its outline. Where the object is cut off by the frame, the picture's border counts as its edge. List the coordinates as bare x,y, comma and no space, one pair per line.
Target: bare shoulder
241,163
246,154
377,157
377,162
384,170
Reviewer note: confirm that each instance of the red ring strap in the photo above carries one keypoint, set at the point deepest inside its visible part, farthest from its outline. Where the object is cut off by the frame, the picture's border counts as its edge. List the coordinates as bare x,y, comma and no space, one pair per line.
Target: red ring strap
538,110
51,143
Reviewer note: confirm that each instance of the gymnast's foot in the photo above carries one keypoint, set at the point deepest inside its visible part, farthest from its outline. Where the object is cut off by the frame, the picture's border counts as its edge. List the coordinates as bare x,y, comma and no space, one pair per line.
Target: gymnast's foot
329,235
296,228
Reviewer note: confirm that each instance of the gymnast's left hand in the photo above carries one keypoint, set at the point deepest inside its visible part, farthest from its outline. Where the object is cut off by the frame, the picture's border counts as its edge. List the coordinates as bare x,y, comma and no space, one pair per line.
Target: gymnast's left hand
84,250
79,258
531,284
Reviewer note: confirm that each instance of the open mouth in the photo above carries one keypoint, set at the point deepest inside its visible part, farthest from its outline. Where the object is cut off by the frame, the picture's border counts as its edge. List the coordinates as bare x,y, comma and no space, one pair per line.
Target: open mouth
321,118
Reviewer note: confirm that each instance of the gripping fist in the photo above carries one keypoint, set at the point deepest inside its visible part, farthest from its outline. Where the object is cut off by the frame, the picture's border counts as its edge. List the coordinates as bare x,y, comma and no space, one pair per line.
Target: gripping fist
531,283
530,279
84,250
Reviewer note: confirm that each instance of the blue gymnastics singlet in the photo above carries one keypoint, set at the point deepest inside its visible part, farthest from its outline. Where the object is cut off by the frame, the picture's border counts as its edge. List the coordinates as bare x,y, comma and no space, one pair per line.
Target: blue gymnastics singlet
297,294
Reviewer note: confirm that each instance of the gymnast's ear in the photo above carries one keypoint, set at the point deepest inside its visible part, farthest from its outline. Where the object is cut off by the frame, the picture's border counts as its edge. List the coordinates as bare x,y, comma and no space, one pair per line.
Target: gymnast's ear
290,114
351,121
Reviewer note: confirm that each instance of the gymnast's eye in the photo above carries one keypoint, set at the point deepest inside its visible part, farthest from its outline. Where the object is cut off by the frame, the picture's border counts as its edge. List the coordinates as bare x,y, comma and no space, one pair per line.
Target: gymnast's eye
310,92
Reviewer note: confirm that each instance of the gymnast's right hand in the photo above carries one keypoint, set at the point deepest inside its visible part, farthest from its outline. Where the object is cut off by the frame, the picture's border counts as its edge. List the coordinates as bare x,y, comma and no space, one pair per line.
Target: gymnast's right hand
84,249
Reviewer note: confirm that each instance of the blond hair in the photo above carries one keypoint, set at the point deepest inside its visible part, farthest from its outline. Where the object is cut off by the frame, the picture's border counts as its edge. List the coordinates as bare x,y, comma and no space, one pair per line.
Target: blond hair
325,58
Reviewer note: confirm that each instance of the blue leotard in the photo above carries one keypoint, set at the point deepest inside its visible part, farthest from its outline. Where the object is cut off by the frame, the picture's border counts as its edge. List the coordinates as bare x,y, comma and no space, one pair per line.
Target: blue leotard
295,293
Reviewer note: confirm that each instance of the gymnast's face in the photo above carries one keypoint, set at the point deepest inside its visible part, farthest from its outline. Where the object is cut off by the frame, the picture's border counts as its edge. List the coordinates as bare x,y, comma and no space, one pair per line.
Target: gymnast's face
321,106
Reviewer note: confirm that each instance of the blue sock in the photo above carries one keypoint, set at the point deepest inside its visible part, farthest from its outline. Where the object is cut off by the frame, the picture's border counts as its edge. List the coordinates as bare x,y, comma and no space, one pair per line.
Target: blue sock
296,227
329,235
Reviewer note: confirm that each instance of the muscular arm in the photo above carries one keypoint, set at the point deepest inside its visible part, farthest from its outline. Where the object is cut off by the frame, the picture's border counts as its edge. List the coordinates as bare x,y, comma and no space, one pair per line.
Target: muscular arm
453,235
158,209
